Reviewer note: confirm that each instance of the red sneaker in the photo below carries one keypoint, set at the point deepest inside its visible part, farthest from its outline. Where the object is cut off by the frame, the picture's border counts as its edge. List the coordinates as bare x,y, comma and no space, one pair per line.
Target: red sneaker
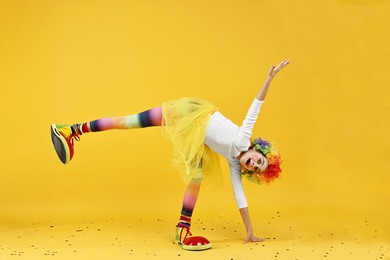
63,140
185,239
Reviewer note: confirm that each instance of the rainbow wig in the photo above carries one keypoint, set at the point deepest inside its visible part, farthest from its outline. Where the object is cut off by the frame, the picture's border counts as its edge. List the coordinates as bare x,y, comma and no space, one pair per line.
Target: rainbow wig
274,161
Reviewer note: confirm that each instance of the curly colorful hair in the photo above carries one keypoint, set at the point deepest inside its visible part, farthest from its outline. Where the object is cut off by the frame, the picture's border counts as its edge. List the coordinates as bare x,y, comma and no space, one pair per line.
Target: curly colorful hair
274,161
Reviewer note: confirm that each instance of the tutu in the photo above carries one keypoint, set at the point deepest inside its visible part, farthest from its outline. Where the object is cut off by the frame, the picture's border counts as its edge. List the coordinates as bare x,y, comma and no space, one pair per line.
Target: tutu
184,124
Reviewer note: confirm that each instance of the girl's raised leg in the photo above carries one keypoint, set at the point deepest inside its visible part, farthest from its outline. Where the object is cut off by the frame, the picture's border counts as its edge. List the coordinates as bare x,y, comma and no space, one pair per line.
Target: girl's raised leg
63,136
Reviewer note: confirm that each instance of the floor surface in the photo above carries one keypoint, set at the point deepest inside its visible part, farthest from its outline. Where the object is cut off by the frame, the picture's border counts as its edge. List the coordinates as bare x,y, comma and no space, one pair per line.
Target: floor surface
286,237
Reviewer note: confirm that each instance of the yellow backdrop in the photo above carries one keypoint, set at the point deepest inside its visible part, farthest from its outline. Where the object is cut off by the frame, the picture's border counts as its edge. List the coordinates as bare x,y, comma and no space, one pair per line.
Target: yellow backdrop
75,61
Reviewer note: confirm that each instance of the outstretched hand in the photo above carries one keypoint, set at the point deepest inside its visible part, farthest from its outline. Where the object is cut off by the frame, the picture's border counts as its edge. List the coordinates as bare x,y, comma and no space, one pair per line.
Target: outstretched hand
275,69
271,74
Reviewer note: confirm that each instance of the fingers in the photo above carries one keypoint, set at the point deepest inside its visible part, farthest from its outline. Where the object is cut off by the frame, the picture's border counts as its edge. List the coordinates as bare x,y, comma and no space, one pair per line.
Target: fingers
275,69
258,239
283,64
253,239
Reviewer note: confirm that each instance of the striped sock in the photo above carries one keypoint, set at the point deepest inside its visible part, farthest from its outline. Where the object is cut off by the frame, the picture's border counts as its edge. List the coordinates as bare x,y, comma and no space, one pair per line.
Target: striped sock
189,201
184,221
152,117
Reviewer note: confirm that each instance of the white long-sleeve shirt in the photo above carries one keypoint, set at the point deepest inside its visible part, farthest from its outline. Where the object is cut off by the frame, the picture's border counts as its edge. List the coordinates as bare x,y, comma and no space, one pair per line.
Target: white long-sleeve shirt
229,140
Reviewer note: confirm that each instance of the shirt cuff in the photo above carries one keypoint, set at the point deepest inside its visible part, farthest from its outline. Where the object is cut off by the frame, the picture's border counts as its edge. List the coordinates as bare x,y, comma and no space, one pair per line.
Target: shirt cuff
258,102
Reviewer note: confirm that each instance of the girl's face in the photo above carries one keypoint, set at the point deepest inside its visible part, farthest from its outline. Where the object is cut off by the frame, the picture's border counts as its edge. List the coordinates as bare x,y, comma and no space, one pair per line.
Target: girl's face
254,161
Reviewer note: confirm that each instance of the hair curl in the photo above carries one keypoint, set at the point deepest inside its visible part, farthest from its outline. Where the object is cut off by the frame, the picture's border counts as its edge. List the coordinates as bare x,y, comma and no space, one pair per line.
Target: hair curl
273,170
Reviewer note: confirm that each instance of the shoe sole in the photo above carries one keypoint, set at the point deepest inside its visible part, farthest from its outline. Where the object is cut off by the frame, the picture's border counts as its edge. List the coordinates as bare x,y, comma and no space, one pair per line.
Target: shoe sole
60,144
194,248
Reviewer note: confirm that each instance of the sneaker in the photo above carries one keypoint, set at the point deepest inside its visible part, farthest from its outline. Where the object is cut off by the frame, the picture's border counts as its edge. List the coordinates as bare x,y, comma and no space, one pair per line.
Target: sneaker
185,239
63,139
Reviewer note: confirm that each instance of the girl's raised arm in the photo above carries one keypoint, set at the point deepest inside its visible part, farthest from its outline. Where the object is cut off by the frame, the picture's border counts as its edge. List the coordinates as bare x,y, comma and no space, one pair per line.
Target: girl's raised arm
271,74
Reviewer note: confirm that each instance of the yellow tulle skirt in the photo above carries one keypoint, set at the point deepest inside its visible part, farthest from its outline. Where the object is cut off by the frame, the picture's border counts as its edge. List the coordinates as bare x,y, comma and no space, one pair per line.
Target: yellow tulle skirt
185,122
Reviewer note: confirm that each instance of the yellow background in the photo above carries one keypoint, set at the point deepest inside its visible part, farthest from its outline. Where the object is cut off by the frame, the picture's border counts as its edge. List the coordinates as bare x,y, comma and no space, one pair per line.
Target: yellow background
328,111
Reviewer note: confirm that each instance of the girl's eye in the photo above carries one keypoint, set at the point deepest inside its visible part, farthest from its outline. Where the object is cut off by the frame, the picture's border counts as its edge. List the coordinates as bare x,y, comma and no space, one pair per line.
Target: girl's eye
259,161
248,161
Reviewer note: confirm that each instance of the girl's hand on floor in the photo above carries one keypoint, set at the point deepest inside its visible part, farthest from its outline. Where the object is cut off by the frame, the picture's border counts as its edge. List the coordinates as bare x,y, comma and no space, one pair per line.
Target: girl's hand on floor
252,238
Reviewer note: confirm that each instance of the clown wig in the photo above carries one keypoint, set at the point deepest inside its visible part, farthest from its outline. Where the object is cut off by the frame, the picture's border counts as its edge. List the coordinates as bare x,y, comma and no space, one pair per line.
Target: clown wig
274,161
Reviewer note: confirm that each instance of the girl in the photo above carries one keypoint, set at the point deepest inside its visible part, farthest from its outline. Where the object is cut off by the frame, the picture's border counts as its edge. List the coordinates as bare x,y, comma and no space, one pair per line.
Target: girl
198,132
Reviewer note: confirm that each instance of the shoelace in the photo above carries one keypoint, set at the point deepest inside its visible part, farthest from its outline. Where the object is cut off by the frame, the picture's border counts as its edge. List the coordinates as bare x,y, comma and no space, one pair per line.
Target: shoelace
73,137
188,233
